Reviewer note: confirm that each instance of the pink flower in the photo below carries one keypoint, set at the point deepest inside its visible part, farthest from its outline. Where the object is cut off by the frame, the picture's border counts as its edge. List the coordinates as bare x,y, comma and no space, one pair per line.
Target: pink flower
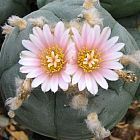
96,58
46,58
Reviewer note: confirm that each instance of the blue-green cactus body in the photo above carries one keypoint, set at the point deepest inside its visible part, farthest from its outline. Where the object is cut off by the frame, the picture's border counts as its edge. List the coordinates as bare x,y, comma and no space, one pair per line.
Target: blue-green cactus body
49,114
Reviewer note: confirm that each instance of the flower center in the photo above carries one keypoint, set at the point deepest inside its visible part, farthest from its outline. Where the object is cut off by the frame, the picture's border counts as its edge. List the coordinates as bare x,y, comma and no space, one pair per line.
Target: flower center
52,59
88,60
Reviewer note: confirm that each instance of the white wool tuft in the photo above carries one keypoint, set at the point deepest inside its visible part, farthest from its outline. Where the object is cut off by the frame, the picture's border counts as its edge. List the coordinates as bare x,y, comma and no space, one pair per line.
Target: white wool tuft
7,29
18,83
92,16
23,89
94,125
131,59
40,21
79,101
16,21
90,13
13,103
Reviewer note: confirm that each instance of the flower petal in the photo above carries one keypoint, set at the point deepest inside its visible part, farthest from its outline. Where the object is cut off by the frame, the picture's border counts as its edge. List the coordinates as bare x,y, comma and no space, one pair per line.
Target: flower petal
62,84
47,34
76,77
117,47
46,86
39,34
112,65
91,84
54,83
112,56
105,34
71,53
112,41
97,30
85,33
66,77
34,73
64,39
91,39
109,74
100,80
38,80
77,38
70,69
30,46
29,62
27,69
94,89
82,83
37,43
27,54
88,81
59,30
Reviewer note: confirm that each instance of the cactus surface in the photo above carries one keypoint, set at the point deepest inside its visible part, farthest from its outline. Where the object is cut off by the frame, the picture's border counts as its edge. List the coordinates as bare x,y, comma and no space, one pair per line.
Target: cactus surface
50,114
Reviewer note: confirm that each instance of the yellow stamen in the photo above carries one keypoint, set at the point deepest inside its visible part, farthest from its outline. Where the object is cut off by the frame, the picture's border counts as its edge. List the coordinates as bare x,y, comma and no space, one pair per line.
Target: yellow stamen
88,60
52,59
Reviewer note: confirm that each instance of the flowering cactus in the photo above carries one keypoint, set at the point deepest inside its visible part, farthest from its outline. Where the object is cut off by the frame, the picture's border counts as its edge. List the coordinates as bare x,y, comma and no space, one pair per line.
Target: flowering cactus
60,115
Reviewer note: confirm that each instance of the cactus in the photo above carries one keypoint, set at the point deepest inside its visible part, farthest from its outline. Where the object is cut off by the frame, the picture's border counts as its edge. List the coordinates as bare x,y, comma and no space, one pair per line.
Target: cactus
9,7
50,114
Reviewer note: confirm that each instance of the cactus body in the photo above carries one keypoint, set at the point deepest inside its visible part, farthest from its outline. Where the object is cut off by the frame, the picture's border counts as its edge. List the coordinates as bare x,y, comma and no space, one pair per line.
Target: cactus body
50,114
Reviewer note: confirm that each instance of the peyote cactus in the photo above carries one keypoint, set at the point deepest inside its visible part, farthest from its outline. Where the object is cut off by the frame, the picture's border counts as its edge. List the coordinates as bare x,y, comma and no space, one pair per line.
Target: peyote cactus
9,7
51,114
